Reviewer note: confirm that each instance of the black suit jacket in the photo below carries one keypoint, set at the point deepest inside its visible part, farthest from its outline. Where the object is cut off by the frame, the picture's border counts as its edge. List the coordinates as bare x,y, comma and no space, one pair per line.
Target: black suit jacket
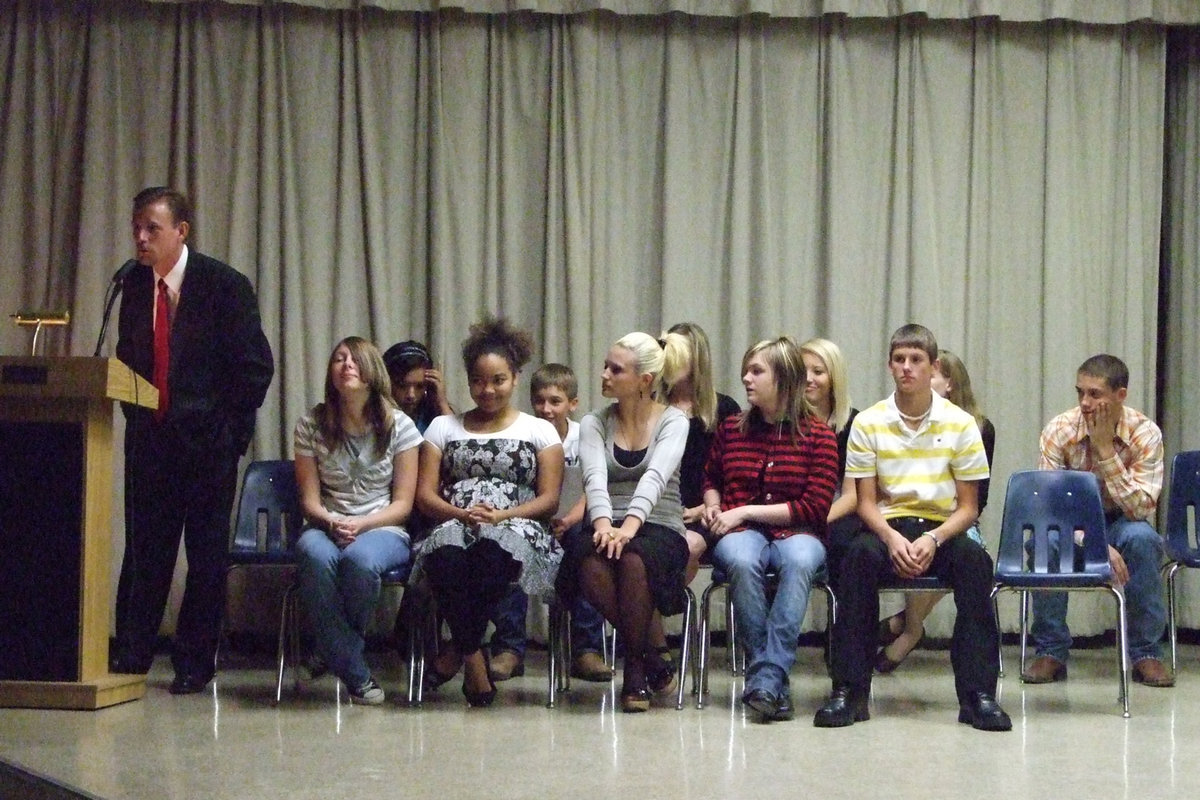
221,362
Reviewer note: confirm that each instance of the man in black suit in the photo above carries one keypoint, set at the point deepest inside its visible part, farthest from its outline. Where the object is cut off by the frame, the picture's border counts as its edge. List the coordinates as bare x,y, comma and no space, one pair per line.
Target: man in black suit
215,366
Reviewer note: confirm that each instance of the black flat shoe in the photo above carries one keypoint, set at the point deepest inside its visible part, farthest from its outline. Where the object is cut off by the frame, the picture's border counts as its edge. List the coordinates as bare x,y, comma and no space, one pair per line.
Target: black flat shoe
480,699
187,683
885,663
844,707
983,713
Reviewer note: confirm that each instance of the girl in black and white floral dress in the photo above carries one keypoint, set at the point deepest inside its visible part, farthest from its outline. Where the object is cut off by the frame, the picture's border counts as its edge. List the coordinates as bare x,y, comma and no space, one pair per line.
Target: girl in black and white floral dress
489,481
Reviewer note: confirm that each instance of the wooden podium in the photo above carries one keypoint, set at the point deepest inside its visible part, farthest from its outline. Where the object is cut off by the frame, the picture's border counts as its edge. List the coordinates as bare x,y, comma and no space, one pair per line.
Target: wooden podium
56,466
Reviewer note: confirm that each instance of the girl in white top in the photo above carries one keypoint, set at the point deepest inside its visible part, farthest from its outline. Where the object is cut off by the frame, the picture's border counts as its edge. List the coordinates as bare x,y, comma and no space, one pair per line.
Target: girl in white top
489,481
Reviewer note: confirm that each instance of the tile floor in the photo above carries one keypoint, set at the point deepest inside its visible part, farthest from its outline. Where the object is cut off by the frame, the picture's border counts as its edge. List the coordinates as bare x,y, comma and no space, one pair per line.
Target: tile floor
1069,740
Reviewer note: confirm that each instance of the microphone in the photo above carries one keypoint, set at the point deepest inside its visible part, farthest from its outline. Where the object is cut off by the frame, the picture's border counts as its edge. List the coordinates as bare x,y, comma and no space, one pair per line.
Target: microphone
126,268
114,289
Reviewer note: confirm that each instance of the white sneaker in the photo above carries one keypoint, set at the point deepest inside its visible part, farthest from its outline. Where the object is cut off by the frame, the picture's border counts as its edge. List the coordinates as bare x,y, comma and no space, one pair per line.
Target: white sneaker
369,694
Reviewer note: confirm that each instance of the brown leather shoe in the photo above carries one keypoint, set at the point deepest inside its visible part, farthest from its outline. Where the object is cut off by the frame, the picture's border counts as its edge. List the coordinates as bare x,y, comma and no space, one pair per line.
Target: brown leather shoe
506,664
1152,672
1045,669
590,666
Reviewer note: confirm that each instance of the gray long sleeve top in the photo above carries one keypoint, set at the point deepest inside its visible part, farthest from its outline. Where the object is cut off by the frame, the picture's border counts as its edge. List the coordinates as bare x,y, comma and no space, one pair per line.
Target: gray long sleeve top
648,491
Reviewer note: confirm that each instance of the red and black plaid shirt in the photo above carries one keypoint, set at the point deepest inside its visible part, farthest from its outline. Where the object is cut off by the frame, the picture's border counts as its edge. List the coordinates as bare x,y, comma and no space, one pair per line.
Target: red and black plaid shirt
766,465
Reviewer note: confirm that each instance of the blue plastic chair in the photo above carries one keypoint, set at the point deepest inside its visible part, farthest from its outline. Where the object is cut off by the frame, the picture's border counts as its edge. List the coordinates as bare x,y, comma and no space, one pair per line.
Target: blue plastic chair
1183,550
1045,508
268,523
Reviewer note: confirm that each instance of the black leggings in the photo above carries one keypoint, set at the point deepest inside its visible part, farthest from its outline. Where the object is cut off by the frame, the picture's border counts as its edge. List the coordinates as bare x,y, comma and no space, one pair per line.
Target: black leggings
467,583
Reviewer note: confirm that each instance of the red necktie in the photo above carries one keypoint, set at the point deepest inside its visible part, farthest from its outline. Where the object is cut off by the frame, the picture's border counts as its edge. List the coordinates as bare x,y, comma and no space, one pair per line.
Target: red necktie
162,346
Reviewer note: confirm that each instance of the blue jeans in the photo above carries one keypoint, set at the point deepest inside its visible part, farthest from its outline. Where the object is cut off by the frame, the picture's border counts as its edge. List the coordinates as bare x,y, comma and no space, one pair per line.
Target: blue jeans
769,632
1146,617
339,589
509,618
587,626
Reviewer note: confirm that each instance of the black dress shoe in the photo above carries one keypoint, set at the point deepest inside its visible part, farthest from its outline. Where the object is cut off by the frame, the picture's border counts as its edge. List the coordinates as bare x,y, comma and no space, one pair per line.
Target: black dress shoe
187,683
765,703
983,713
844,707
784,710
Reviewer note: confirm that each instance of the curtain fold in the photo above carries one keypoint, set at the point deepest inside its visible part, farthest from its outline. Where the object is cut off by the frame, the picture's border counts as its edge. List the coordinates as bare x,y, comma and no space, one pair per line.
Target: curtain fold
399,175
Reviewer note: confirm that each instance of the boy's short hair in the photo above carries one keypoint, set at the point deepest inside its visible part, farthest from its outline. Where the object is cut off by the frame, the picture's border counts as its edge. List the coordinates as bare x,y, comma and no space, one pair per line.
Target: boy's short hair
558,376
1110,368
914,335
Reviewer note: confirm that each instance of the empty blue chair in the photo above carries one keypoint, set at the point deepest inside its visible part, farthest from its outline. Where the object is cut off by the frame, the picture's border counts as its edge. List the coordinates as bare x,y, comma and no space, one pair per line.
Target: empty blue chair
268,523
1045,508
1183,550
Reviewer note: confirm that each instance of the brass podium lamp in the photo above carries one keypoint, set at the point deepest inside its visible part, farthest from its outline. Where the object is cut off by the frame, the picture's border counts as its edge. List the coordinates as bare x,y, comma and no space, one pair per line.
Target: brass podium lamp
39,319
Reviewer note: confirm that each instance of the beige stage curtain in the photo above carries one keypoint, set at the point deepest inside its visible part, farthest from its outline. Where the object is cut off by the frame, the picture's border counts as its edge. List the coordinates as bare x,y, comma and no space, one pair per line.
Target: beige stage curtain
1107,12
401,174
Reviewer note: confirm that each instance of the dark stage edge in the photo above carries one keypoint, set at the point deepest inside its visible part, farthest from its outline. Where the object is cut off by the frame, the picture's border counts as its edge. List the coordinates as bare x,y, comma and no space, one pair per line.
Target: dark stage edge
20,783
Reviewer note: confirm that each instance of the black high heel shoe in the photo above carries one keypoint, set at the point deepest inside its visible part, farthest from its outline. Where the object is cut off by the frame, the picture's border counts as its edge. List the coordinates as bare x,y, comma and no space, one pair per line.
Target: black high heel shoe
485,698
432,679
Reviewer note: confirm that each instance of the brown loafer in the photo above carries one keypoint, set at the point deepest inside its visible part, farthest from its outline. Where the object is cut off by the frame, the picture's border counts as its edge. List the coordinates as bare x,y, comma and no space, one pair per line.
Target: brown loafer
590,666
1045,669
1152,672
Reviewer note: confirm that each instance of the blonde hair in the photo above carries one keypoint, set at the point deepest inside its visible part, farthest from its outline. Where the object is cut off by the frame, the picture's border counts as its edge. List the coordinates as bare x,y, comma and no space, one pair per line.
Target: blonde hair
699,358
655,357
783,356
961,393
378,412
839,382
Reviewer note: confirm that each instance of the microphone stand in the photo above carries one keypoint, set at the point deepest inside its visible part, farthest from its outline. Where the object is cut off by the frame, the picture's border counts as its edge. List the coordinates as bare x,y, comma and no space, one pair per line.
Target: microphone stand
114,289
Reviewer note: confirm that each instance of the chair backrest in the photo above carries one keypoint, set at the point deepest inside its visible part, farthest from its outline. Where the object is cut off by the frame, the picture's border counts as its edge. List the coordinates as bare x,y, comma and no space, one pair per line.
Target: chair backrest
1047,507
269,517
1184,498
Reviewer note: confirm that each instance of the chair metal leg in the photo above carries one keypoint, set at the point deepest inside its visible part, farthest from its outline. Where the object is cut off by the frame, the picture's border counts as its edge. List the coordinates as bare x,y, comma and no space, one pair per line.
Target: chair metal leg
685,647
557,638
830,620
999,633
1170,569
737,664
702,644
288,630
426,622
1024,617
566,651
1122,654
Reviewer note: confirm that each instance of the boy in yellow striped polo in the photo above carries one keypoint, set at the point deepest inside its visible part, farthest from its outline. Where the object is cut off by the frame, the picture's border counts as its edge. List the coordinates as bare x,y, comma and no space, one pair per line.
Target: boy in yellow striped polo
915,458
